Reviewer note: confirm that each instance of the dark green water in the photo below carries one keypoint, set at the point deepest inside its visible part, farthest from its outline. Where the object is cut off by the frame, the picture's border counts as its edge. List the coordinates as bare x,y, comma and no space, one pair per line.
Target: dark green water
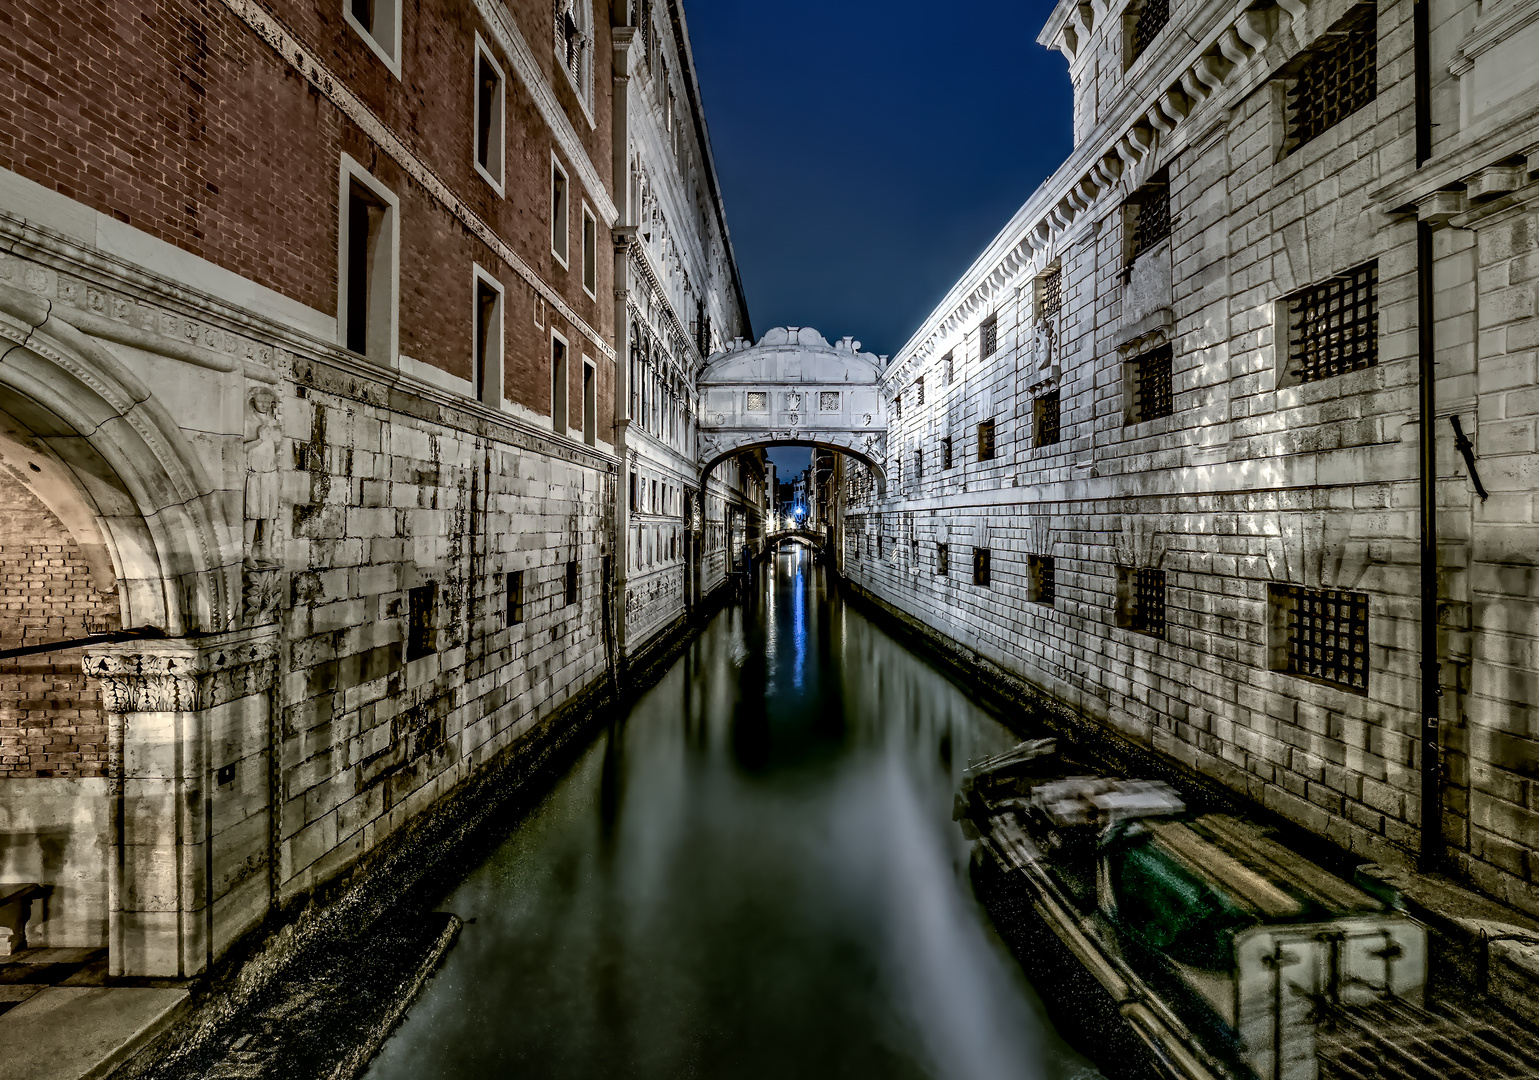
755,875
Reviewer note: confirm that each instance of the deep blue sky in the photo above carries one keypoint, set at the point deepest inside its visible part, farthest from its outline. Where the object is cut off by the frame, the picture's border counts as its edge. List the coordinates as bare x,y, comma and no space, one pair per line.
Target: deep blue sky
868,151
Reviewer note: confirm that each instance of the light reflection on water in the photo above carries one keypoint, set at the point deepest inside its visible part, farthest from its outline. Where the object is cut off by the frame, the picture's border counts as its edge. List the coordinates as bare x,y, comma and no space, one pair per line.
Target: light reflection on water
755,874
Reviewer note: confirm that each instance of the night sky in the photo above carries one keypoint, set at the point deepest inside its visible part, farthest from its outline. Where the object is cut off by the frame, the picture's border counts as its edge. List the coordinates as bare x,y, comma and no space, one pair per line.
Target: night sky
868,151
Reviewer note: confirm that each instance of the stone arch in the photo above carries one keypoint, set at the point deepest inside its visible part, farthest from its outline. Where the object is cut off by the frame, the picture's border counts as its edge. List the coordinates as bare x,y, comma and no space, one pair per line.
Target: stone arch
878,470
97,448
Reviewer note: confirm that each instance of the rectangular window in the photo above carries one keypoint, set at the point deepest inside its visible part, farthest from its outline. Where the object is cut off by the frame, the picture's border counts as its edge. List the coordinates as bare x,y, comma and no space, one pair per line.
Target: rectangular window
1044,412
515,597
1333,327
1338,77
1321,634
558,212
1146,215
486,354
635,499
1145,20
988,337
1042,584
1149,389
571,582
589,404
589,252
947,368
918,465
986,441
1146,600
1049,294
558,385
981,559
758,401
489,117
946,453
421,636
368,266
378,22
828,401
919,390
942,560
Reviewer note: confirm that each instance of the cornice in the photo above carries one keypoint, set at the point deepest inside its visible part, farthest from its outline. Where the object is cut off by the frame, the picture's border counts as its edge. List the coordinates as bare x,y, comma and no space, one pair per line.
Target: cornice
302,59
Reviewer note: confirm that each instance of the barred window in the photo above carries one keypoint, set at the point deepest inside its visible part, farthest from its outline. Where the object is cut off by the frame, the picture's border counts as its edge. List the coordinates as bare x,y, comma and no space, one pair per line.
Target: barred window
1338,77
1333,327
988,337
897,407
571,582
421,635
1321,634
918,465
947,368
1045,419
986,441
1150,19
981,559
1150,394
919,390
1042,579
1147,614
516,597
1147,215
758,401
828,401
1050,294
946,453
942,560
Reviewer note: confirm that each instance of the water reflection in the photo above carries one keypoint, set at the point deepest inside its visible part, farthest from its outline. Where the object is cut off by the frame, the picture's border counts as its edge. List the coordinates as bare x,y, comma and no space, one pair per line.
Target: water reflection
754,875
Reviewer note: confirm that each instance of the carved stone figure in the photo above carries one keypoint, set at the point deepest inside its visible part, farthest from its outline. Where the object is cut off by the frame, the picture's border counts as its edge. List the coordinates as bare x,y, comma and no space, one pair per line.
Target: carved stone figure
259,585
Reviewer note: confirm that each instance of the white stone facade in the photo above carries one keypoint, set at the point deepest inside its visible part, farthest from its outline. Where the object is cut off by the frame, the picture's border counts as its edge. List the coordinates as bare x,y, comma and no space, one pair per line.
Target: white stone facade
1233,478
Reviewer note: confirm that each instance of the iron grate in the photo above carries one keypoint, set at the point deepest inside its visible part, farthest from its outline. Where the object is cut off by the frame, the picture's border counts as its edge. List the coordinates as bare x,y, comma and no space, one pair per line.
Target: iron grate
1151,214
1327,635
1152,18
1153,391
1047,427
1333,327
989,337
1052,294
1339,78
986,441
1149,601
1044,583
1396,1040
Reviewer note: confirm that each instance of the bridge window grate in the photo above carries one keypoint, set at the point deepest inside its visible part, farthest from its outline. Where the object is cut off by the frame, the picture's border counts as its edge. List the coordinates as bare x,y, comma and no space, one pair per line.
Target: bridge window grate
828,401
1340,77
981,559
1326,634
1333,327
758,401
1043,583
1045,410
986,441
1153,394
1149,601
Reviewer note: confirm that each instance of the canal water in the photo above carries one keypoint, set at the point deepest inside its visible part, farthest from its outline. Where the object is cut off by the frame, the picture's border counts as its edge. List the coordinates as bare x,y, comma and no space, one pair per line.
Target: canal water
755,874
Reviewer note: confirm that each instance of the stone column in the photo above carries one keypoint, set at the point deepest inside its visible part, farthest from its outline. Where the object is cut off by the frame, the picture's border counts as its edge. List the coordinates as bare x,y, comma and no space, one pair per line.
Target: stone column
190,738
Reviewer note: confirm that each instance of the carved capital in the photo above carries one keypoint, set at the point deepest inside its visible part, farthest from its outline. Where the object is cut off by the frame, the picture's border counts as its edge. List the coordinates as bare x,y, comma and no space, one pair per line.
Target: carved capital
184,674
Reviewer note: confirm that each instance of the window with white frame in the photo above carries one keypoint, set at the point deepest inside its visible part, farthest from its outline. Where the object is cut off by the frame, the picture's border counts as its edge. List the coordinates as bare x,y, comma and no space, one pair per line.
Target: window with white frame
378,22
589,252
486,346
574,42
559,211
368,265
558,383
490,89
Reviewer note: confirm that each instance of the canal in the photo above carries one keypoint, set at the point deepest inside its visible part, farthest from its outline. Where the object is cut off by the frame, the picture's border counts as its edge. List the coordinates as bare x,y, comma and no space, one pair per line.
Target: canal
755,874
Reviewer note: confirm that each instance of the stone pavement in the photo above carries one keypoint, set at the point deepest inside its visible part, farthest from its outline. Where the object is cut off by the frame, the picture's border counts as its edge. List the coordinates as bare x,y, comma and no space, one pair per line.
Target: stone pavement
79,1032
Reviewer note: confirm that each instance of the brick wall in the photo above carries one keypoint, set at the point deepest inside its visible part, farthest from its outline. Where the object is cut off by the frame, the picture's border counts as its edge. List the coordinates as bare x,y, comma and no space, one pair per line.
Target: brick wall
51,722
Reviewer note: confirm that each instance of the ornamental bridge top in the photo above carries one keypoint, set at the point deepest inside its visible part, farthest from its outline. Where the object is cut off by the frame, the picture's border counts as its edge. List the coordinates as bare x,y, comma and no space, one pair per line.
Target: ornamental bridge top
793,389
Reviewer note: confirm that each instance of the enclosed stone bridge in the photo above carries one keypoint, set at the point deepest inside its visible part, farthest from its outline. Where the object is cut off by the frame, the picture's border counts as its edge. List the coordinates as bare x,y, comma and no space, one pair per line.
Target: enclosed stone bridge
811,537
793,389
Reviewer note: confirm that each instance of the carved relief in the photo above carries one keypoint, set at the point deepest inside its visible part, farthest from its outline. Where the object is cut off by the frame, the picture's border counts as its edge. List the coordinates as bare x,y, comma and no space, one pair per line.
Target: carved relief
176,676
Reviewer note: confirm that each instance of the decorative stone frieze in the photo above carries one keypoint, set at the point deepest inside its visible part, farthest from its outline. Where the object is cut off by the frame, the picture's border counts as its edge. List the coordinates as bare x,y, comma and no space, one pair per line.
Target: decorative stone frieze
184,675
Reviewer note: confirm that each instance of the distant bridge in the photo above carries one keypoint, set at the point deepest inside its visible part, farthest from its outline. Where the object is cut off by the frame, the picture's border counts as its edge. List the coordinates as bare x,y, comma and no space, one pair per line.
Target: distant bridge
814,538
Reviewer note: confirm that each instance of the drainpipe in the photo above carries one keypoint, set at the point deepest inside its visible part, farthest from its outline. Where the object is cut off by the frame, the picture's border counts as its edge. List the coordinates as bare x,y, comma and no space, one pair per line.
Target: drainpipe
1431,680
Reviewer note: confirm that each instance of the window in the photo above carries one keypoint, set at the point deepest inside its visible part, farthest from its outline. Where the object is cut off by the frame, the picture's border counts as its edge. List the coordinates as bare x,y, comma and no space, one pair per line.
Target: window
1146,215
828,401
897,407
421,637
1044,411
378,22
981,559
942,560
1333,327
1337,78
571,582
1320,634
1050,294
1150,394
947,368
919,390
368,265
558,212
1041,583
988,337
758,401
918,465
515,597
572,39
589,404
635,498
489,116
946,452
1144,22
986,441
1141,599
558,384
486,349
589,252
